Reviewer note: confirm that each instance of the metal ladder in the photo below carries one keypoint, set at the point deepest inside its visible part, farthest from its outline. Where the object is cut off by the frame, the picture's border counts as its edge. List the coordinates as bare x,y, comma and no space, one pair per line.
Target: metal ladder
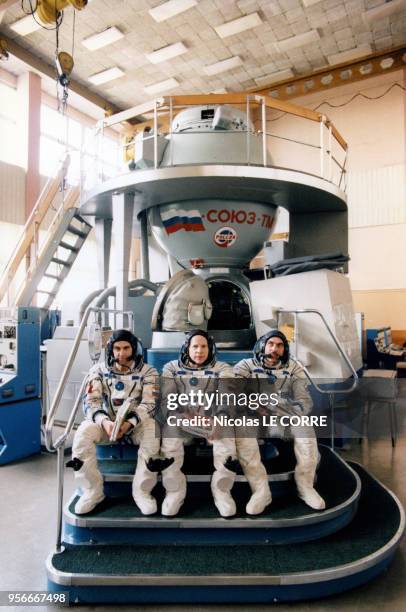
56,258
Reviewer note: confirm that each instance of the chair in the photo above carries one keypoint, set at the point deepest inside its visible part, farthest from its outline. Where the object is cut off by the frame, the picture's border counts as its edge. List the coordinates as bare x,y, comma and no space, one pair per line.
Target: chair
381,388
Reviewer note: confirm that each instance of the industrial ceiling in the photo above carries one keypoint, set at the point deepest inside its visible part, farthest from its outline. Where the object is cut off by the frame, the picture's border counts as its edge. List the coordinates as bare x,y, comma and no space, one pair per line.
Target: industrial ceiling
276,40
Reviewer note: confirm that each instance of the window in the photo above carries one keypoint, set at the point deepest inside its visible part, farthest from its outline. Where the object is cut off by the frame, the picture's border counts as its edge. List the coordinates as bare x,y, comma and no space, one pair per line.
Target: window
9,152
56,130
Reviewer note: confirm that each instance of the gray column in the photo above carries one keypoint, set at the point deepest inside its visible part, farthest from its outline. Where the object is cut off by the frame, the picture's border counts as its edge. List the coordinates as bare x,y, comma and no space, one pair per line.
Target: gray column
103,248
144,246
123,210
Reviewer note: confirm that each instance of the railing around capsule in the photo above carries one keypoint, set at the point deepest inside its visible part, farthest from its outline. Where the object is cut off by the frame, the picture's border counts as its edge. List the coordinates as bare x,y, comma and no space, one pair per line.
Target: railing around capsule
159,113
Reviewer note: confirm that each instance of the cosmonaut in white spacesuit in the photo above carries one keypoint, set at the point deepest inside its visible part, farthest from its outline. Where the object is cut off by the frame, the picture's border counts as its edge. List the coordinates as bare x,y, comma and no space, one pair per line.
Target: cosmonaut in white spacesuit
197,368
128,386
272,361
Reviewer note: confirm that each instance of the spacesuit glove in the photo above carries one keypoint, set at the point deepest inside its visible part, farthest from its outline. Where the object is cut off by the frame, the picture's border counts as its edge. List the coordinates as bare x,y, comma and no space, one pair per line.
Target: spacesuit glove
124,429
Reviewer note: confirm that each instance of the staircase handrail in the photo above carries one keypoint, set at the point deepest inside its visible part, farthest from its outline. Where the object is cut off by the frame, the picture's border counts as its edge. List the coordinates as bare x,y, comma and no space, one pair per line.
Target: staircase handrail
29,231
35,218
59,444
339,347
69,202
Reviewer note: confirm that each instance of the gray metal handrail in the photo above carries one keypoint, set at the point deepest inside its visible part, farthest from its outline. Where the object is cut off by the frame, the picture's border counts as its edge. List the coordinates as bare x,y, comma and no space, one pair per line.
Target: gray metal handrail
60,443
68,367
338,345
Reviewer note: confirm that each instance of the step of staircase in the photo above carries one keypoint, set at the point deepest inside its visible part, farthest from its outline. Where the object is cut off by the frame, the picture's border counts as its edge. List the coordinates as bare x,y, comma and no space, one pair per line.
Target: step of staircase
287,519
69,232
223,573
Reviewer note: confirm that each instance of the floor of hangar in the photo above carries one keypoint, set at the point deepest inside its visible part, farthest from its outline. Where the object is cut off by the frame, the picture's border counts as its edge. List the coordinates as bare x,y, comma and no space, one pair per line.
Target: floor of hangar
28,517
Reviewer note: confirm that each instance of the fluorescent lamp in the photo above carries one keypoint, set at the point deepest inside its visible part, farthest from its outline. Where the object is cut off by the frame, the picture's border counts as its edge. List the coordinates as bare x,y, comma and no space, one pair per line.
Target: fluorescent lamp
307,3
384,10
97,41
352,54
297,41
170,9
222,90
223,66
107,75
282,75
166,53
238,25
161,86
26,25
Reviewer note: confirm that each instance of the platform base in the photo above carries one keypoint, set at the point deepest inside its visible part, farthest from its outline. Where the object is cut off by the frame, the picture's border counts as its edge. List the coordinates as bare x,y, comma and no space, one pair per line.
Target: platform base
263,573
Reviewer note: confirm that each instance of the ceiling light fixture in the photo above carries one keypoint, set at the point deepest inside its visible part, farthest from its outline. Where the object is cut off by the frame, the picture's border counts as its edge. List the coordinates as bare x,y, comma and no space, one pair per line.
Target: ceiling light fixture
26,25
161,86
282,75
383,10
238,25
307,3
170,9
347,56
166,53
223,66
297,41
106,75
97,41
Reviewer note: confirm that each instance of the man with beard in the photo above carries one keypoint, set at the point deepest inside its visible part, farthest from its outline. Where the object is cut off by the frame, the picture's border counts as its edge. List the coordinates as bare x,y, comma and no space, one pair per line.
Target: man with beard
272,363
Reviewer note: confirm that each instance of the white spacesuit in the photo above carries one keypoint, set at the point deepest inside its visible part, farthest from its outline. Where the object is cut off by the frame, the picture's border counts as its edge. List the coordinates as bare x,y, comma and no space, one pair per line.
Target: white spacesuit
272,361
187,374
124,390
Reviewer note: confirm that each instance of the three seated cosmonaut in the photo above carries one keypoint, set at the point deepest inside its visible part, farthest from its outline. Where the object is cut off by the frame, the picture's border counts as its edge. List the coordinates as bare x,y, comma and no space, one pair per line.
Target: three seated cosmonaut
121,401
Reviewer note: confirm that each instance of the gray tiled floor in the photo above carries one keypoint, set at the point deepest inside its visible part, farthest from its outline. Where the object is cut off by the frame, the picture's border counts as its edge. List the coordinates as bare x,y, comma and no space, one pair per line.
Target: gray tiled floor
27,526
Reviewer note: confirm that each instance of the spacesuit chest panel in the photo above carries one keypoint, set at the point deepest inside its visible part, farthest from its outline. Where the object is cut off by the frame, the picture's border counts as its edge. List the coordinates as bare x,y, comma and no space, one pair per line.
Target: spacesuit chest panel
194,380
277,379
121,387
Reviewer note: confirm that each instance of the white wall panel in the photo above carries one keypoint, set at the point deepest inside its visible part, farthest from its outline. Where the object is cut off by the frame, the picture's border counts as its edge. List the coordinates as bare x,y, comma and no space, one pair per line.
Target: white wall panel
377,196
12,193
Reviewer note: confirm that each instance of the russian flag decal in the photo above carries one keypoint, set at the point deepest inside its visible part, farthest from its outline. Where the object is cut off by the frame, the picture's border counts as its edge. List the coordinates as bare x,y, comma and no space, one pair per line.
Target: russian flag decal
177,219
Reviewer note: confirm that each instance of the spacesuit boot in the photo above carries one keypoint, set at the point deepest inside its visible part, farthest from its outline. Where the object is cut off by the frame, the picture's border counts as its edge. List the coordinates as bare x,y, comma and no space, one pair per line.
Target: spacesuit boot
143,483
306,453
221,485
89,479
261,494
174,482
256,475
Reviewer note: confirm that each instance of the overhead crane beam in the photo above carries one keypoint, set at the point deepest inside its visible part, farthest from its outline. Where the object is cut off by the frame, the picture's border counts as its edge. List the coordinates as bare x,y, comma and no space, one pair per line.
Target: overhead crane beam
49,70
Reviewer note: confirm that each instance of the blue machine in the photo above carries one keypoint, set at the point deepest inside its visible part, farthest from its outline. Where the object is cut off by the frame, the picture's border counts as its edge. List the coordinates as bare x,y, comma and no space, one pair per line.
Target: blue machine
20,406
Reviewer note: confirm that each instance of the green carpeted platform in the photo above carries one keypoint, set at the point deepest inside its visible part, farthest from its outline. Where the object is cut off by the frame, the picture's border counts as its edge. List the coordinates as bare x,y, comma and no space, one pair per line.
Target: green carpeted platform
198,459
334,482
376,522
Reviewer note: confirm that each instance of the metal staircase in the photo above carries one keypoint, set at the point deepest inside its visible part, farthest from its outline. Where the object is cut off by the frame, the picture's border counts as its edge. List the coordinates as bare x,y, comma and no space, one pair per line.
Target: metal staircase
48,246
56,258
